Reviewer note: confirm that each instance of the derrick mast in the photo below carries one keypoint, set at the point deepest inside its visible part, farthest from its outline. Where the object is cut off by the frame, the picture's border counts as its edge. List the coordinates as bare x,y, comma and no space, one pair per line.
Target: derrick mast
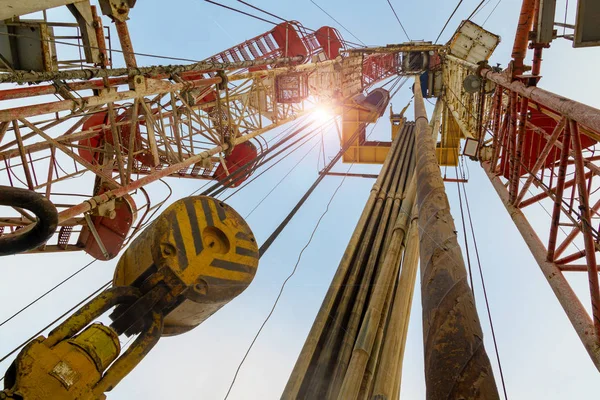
77,167
124,128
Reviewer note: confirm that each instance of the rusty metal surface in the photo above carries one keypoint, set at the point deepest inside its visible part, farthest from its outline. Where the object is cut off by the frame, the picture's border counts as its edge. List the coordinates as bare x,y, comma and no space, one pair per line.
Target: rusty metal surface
456,363
332,364
204,251
203,66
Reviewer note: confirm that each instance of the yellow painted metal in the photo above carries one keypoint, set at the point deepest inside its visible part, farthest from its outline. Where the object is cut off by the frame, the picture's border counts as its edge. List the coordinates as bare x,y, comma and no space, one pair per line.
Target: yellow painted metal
356,118
68,370
101,343
356,115
207,245
447,149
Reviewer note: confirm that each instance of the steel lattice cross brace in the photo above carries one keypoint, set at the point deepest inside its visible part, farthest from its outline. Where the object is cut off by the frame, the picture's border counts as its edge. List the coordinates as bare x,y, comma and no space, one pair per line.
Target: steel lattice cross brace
539,148
108,132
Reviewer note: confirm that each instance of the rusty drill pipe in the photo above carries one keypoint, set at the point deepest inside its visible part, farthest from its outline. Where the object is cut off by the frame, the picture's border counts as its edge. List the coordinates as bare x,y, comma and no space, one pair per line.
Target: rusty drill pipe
369,327
310,349
373,253
375,366
456,363
400,196
390,367
327,363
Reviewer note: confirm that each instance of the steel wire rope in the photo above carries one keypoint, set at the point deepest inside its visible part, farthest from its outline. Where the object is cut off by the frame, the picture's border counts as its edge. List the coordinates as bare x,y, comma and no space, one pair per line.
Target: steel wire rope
286,20
464,226
491,12
96,48
566,14
475,10
283,285
251,166
268,21
48,292
398,19
273,165
301,252
338,22
215,185
481,9
448,20
283,178
55,321
487,303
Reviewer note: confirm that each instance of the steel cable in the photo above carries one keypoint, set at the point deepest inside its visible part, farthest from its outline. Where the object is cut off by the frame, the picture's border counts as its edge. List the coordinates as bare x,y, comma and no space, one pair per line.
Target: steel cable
48,292
485,296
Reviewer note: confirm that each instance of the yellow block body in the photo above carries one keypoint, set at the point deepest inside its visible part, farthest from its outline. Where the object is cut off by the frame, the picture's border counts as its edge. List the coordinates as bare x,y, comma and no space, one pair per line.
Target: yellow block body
207,245
356,115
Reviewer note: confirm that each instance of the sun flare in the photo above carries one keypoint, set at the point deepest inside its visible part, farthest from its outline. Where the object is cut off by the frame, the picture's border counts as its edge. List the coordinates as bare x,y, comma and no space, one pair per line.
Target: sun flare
322,114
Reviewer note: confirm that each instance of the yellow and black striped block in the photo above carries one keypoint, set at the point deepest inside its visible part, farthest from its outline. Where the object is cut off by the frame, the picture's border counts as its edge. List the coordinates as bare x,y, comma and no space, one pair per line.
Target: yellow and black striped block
207,245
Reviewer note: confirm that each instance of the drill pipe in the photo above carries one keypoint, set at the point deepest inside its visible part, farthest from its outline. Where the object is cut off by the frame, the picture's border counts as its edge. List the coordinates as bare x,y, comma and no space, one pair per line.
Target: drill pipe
355,304
383,284
456,363
311,349
389,368
384,329
321,367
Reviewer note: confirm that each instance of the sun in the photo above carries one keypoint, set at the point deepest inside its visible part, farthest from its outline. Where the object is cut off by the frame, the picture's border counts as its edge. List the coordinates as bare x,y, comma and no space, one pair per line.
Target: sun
322,114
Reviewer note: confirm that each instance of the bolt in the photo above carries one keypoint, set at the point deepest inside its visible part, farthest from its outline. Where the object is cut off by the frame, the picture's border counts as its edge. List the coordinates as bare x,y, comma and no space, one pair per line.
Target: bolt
168,249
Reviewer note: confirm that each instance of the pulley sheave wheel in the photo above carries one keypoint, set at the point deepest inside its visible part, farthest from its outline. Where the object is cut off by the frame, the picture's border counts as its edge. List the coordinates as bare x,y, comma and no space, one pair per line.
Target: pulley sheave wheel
40,232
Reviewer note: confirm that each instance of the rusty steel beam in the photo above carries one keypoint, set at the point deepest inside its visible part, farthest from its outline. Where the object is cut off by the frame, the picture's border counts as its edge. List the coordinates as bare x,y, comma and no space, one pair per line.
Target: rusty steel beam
126,45
541,159
560,188
586,227
514,185
456,363
152,71
567,298
397,48
95,201
522,36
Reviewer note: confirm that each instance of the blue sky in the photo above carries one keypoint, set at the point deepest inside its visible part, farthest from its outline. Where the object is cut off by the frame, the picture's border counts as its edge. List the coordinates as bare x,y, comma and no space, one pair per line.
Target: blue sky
541,355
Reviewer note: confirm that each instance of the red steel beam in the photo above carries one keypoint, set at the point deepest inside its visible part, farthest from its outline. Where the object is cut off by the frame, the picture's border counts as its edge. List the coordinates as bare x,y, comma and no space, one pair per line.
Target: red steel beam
548,193
560,188
569,301
522,36
573,234
586,221
571,257
514,184
541,159
574,268
582,113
